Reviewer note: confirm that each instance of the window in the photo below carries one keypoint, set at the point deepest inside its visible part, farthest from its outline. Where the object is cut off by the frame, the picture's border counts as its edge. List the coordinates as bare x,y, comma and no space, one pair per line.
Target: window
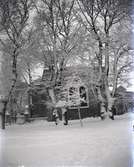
83,96
78,94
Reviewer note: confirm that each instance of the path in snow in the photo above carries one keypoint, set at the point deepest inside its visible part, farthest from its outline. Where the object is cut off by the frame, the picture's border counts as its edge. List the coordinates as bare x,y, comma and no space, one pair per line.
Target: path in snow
41,144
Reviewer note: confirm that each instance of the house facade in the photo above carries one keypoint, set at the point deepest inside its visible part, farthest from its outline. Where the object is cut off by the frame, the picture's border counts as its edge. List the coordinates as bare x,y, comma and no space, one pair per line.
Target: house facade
76,92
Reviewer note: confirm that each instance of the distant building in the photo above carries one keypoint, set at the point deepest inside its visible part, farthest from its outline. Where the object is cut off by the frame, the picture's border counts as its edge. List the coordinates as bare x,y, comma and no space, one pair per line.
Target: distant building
74,80
124,101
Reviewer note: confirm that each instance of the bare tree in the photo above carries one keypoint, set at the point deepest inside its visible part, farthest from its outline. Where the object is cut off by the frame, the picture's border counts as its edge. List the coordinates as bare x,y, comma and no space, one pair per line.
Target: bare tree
14,18
101,17
58,37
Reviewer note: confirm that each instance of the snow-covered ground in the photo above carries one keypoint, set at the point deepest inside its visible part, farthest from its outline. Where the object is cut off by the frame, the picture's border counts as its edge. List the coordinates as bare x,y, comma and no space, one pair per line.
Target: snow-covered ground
43,144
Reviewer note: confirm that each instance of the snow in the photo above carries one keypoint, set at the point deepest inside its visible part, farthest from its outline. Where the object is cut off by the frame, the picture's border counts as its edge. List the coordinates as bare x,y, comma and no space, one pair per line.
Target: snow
43,144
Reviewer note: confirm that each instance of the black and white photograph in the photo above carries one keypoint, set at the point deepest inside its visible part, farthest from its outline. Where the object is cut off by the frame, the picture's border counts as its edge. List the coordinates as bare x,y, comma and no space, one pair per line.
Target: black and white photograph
66,83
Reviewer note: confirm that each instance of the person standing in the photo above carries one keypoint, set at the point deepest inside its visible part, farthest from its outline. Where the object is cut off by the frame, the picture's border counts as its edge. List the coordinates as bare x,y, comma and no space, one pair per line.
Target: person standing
65,116
55,116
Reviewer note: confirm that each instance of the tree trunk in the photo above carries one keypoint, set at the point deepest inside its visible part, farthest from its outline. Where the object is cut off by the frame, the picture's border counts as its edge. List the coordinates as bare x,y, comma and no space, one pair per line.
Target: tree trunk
115,73
60,73
30,104
53,102
109,99
52,95
103,113
29,91
13,84
3,116
110,103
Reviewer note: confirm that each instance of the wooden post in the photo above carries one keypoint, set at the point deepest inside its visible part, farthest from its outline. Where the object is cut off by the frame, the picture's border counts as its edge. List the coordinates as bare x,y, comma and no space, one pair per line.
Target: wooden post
81,123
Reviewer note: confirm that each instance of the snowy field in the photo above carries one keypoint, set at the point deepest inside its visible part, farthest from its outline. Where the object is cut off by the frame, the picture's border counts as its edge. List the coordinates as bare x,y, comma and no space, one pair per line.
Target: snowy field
41,144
